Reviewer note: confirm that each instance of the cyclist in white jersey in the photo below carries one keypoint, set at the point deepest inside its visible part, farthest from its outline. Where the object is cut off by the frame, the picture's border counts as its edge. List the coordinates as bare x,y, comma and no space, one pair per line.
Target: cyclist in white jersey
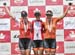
37,34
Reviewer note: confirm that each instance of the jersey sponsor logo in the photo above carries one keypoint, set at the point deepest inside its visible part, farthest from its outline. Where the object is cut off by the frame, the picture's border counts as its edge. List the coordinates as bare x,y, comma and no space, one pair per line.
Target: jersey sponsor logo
37,31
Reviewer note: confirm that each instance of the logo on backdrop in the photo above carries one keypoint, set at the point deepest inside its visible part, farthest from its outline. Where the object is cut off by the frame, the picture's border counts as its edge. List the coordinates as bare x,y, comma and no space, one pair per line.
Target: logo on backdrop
35,2
60,47
72,34
69,23
53,0
4,24
5,48
72,11
18,1
15,48
2,36
69,47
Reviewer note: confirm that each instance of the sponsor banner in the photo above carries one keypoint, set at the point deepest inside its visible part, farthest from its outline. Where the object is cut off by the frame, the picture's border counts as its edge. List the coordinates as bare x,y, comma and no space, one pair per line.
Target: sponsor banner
69,23
60,47
15,48
5,36
59,53
5,48
69,35
70,54
15,36
54,2
18,2
4,24
36,2
59,35
69,47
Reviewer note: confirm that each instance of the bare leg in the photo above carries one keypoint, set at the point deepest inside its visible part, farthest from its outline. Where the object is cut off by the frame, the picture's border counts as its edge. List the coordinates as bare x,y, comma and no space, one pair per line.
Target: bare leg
23,52
53,51
41,51
27,52
35,51
47,51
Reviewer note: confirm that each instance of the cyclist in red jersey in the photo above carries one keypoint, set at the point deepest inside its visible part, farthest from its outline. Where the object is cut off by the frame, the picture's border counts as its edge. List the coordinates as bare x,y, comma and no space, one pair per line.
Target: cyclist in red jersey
50,35
24,29
37,33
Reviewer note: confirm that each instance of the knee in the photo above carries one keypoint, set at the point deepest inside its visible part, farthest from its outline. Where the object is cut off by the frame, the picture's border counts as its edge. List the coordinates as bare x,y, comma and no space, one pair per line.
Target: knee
47,51
52,52
23,53
35,49
41,48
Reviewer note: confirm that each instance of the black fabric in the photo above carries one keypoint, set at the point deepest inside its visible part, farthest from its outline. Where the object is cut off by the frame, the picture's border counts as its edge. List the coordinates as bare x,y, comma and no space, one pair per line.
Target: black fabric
24,43
37,43
50,43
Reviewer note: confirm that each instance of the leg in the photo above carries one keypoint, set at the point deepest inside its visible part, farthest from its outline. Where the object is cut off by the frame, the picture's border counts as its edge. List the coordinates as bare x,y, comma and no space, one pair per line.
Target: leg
47,51
41,47
35,51
41,51
53,51
27,51
53,46
47,46
35,47
25,45
23,52
21,46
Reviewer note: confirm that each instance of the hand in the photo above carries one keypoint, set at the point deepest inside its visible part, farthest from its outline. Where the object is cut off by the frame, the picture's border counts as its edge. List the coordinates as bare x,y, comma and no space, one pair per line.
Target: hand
70,4
4,4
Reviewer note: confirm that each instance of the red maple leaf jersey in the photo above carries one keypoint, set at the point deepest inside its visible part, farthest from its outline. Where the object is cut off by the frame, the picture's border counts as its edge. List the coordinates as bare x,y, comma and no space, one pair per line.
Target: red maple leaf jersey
37,30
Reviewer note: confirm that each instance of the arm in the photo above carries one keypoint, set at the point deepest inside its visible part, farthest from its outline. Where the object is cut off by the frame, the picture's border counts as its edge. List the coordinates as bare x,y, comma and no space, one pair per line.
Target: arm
43,29
10,14
65,13
31,27
6,8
